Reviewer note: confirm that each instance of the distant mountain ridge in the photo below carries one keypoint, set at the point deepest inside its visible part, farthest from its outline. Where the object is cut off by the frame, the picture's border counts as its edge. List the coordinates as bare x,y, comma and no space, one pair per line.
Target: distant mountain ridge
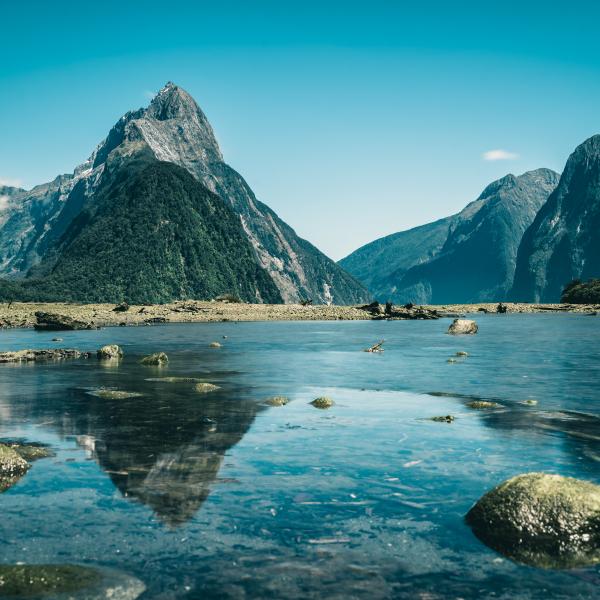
172,129
467,257
563,242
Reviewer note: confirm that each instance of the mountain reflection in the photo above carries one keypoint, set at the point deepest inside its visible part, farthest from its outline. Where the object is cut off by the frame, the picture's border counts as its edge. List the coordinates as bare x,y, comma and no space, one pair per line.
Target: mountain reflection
166,452
163,448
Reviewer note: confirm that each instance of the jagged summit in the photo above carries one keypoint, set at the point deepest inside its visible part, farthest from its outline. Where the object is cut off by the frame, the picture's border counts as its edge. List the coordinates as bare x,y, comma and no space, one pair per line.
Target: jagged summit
171,129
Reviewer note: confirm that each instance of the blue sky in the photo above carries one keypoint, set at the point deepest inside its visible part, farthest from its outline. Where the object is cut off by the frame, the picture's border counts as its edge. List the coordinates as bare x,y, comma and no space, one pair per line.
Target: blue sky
352,120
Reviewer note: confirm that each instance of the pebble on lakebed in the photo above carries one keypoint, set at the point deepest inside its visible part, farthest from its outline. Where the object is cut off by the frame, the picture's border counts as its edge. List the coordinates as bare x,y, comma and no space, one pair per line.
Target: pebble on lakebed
68,582
542,520
482,404
446,419
113,394
277,401
205,388
323,402
155,360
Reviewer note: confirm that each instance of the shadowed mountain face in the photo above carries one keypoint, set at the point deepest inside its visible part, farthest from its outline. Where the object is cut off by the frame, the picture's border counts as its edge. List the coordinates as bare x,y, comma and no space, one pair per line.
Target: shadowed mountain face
468,257
562,243
172,129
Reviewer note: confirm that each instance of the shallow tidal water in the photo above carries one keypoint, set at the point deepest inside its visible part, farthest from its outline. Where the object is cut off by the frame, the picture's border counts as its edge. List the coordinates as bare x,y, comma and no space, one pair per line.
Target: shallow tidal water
221,496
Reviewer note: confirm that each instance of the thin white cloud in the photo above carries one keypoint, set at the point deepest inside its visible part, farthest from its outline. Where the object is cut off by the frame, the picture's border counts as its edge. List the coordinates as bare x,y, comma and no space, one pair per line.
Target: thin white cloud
10,182
499,154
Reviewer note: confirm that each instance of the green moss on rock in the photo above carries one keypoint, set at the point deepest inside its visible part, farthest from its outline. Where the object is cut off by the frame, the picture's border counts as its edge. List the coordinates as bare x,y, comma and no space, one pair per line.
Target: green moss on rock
542,520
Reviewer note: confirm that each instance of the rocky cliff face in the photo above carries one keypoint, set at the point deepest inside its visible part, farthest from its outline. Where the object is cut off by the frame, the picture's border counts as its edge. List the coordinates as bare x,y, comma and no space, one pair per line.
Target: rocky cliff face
173,129
562,243
469,257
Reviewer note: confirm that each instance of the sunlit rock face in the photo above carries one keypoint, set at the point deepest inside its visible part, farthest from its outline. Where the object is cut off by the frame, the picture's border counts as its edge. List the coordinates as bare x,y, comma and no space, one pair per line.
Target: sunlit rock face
562,243
173,129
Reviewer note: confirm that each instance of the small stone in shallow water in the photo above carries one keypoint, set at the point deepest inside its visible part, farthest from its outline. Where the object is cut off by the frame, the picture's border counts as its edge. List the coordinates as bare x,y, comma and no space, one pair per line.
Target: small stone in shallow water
205,388
110,351
113,394
57,339
463,327
277,401
481,404
530,402
215,345
155,360
446,419
543,520
323,402
462,353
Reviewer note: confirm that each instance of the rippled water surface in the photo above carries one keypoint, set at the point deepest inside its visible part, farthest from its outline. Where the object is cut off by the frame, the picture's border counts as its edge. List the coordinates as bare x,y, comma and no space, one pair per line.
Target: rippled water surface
221,496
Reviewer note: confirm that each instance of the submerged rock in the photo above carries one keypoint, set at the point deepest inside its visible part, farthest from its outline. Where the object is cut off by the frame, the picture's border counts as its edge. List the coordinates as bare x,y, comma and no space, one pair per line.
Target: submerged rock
157,359
67,582
323,402
113,394
463,327
54,321
482,404
204,388
28,451
277,401
215,345
543,520
45,354
110,351
462,353
446,419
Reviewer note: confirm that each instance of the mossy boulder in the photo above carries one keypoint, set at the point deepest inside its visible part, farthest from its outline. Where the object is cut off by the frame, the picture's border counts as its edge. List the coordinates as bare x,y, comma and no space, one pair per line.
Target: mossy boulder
155,360
110,351
12,467
67,582
323,402
542,520
205,388
277,401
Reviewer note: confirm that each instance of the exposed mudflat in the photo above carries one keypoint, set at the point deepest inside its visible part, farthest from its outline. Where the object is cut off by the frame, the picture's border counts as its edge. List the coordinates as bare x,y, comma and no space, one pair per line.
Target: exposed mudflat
22,314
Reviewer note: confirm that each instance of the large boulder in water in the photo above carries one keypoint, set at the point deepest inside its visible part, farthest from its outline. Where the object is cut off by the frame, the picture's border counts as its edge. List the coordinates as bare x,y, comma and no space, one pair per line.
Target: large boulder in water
155,360
67,582
463,326
542,520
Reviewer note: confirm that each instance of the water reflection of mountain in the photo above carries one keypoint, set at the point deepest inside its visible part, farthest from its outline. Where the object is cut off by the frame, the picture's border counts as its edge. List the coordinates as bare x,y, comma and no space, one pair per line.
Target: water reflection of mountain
164,448
165,455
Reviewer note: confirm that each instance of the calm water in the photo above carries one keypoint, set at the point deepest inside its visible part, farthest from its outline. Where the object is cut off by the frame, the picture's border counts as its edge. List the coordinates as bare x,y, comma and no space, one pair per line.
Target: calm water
220,496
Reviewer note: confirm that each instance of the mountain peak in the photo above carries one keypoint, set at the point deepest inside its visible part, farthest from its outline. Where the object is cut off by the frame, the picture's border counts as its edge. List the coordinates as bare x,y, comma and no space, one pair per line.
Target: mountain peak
173,102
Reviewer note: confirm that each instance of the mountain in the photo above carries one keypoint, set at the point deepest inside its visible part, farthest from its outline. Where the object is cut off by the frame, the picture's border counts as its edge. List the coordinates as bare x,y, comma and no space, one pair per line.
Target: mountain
468,257
155,233
562,243
171,129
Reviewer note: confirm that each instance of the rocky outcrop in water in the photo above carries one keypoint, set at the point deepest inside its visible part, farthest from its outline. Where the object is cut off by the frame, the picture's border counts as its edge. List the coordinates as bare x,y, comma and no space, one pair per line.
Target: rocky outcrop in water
562,243
43,354
463,327
542,520
469,257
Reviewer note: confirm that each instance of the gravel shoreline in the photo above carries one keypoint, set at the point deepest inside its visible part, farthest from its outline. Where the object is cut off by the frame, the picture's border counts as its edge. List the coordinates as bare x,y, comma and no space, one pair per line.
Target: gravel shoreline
22,314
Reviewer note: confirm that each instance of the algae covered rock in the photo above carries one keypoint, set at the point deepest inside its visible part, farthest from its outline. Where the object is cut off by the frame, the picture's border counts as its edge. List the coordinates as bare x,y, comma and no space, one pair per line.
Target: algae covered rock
155,360
443,419
463,327
12,467
28,451
67,582
110,351
323,402
483,404
113,394
205,388
542,520
277,401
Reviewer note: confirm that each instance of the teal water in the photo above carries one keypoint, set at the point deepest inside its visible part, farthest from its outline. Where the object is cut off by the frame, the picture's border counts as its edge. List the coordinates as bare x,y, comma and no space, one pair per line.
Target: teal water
221,496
